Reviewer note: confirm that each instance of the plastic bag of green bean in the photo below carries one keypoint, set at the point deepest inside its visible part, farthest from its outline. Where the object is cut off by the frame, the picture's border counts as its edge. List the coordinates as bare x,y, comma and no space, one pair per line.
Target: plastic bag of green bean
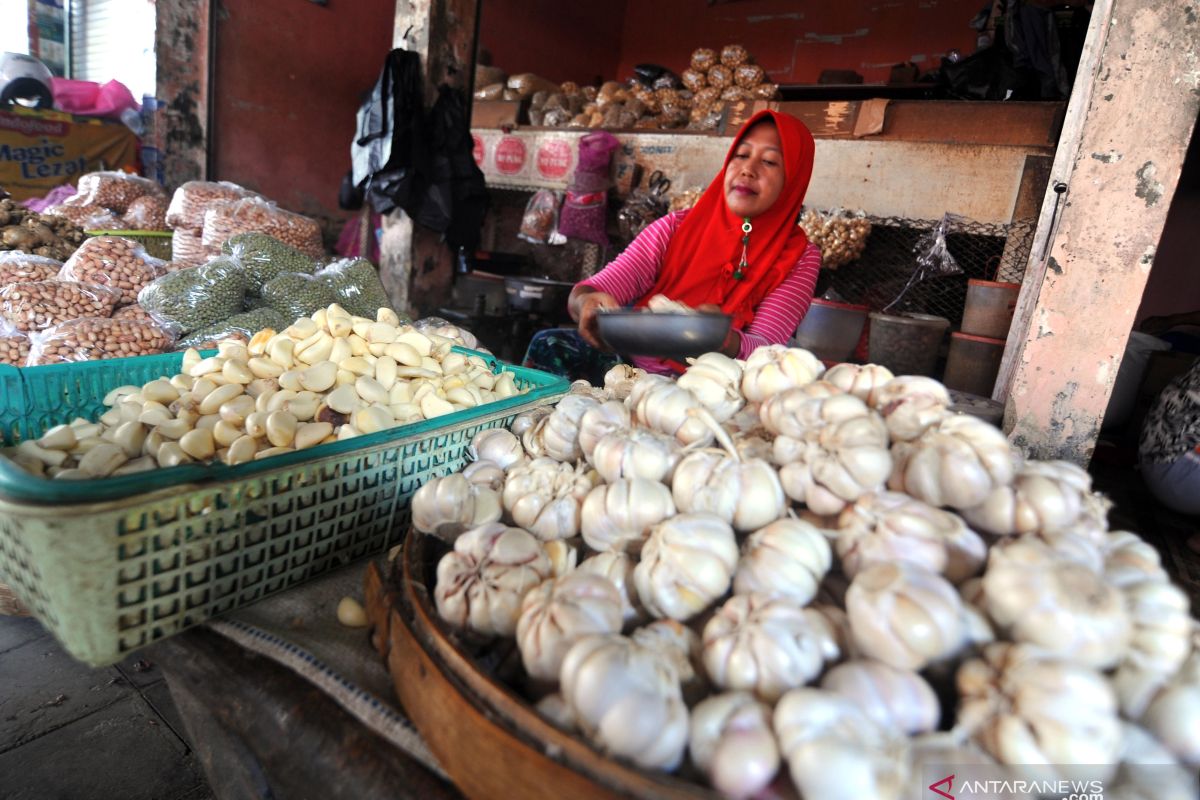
296,295
240,326
356,283
196,298
265,257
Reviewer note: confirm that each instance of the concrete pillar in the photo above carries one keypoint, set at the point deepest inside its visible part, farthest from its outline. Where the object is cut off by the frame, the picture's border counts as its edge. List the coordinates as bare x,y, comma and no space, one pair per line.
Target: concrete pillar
181,48
1124,138
417,268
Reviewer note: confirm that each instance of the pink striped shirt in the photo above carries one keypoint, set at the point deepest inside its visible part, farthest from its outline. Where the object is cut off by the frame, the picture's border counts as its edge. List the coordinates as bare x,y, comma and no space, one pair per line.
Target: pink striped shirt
631,274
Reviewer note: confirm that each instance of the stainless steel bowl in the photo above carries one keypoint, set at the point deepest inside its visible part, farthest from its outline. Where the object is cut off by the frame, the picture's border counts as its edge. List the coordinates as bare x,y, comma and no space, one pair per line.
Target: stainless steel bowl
662,335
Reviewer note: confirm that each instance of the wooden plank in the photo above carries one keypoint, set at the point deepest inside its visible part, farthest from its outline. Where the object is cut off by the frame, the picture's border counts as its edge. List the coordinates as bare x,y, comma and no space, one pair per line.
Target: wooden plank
498,113
955,122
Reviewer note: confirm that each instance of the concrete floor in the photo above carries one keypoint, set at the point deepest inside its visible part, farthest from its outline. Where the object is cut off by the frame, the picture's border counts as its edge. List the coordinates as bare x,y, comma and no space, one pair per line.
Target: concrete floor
71,732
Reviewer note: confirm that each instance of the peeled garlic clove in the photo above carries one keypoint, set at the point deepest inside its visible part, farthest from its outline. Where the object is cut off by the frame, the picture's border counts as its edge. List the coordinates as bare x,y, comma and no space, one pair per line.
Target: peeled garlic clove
370,390
258,342
206,366
130,437
272,451
256,424
351,613
418,341
302,329
374,418
173,429
198,444
434,406
212,403
60,437
160,391
225,434
281,428
241,451
100,461
237,372
385,372
340,351
343,400
264,368
316,352
52,458
311,433
319,377
191,357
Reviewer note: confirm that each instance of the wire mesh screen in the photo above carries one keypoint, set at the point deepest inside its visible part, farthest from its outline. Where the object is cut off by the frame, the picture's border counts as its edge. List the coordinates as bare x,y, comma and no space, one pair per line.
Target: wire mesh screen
983,250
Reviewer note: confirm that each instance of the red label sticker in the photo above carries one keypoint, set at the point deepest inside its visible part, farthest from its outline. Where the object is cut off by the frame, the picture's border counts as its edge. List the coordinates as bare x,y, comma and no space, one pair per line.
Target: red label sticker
554,159
510,155
477,151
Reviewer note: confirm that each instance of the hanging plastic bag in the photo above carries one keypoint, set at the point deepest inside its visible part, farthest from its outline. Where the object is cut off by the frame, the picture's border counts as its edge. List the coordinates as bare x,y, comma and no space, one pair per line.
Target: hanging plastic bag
541,214
644,206
585,210
934,259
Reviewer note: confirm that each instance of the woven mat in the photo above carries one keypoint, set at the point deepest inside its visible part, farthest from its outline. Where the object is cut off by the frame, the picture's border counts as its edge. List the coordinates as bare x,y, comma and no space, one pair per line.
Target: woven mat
299,629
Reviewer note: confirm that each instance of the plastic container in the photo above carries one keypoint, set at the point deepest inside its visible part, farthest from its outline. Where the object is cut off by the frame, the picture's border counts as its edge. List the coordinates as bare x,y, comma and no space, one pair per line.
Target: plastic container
109,570
972,363
988,310
831,330
908,344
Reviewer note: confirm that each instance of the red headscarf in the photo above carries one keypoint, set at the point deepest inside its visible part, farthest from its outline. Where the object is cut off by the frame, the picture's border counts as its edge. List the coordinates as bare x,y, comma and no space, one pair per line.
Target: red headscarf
699,262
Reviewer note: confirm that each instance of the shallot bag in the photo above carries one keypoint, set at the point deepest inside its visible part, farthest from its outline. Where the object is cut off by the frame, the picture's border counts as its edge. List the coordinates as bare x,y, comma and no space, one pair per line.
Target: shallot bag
585,209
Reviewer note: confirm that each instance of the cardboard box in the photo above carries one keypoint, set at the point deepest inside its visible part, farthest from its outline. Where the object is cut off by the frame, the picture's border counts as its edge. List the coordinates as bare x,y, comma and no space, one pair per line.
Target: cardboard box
499,113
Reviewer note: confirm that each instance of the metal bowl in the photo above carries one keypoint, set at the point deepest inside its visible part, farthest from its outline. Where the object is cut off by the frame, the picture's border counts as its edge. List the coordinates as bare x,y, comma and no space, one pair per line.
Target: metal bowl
663,335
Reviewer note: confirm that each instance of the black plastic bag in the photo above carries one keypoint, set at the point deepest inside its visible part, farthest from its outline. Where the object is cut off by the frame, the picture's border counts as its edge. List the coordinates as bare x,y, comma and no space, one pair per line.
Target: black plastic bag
388,154
456,197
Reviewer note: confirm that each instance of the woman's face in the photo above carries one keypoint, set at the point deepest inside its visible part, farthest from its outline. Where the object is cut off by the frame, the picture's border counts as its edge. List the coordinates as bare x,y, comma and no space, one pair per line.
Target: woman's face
754,177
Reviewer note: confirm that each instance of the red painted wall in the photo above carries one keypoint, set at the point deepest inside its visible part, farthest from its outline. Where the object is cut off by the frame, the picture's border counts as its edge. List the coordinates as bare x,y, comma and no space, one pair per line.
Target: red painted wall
792,41
289,74
562,40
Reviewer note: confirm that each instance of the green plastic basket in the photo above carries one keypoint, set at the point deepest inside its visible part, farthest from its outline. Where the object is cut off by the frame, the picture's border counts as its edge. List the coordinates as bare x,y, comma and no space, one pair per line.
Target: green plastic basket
110,574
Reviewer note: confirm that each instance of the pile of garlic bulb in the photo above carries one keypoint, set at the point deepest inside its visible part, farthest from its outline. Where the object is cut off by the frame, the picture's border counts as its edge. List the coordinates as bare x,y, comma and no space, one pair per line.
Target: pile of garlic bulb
326,378
841,235
766,570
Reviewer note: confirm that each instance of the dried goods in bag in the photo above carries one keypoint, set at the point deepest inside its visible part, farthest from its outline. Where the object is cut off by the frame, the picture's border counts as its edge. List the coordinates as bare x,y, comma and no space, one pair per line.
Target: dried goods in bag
147,213
14,345
187,248
193,198
92,339
294,294
356,283
734,55
16,267
541,213
264,258
195,298
239,327
223,221
88,217
703,59
119,264
113,190
37,305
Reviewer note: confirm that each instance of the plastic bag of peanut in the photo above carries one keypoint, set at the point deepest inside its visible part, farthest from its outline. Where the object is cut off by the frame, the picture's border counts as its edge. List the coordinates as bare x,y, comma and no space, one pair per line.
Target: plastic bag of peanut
88,217
33,306
14,345
16,267
113,190
187,248
147,213
120,264
95,339
192,199
225,220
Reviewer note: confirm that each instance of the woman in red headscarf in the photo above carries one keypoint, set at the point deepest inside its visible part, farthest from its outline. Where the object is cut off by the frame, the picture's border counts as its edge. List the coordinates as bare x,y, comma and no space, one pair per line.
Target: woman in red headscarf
738,249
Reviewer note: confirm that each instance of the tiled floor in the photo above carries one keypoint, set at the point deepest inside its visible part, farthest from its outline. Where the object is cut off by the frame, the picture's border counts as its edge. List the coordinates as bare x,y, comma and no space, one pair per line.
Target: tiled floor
69,732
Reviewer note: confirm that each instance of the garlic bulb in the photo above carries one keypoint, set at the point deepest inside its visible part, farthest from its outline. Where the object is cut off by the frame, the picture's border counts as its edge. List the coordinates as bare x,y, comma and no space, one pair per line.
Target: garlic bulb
544,497
661,404
911,405
481,582
1174,718
836,752
485,473
957,464
559,612
619,515
554,708
1040,715
583,388
680,646
762,645
751,446
560,432
1043,496
1060,606
888,526
895,698
618,568
598,421
832,450
620,379
746,494
562,557
861,380
447,506
636,453
497,446
626,699
525,421
772,368
1128,558
1149,771
687,563
833,626
732,742
904,615
714,380
786,559
1161,642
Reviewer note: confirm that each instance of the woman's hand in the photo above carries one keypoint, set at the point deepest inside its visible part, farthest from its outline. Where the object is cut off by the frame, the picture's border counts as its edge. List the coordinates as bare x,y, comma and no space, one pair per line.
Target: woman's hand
584,308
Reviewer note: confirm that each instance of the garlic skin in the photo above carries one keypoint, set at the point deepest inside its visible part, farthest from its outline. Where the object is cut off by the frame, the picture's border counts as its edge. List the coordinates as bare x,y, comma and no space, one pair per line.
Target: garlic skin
481,582
626,700
679,645
687,563
562,557
897,699
904,615
525,421
584,388
888,526
601,420
447,506
911,405
620,379
861,380
659,403
619,515
762,645
1061,606
560,432
557,613
772,368
1039,715
836,752
1043,496
785,559
617,567
498,446
636,453
746,494
544,497
714,380
731,740
957,464
485,473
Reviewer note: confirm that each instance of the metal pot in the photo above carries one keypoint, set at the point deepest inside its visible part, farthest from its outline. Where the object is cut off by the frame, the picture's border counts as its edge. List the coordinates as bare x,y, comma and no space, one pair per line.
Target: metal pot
538,295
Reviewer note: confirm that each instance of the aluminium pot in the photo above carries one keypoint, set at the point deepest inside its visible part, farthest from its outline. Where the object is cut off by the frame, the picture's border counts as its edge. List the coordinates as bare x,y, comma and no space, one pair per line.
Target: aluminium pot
537,295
